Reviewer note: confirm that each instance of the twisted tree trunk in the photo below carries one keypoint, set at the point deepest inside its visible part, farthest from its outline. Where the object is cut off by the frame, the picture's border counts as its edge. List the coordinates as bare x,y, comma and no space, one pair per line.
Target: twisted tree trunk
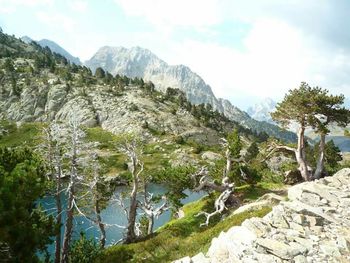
300,155
130,234
59,216
320,162
100,224
68,226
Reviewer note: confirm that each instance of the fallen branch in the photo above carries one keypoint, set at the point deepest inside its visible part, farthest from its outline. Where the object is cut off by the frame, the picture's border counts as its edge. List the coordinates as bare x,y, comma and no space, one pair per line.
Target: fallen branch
219,206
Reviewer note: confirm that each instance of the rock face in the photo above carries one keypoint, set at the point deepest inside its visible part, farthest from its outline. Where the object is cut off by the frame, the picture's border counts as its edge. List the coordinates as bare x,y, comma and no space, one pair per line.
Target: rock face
130,111
142,63
313,226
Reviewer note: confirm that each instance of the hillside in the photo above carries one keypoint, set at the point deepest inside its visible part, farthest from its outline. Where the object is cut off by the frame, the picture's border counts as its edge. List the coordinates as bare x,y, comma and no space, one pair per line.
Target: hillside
39,86
54,48
142,63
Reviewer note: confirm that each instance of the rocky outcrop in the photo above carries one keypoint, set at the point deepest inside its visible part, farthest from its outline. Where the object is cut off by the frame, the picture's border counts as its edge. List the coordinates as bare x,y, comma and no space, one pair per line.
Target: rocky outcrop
312,226
131,111
142,63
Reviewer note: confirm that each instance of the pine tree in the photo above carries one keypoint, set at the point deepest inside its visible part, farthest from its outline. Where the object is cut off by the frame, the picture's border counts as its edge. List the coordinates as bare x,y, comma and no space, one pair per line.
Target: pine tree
25,227
297,108
329,110
100,73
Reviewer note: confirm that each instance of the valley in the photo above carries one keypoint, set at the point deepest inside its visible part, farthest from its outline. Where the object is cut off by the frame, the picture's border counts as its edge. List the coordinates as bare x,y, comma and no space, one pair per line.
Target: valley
125,158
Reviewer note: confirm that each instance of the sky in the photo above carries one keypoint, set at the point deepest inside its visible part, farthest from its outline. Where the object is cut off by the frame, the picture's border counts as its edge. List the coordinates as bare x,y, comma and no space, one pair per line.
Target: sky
246,50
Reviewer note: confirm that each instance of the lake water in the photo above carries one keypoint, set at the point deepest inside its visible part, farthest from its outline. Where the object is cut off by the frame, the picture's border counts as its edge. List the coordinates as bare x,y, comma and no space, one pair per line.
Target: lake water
112,214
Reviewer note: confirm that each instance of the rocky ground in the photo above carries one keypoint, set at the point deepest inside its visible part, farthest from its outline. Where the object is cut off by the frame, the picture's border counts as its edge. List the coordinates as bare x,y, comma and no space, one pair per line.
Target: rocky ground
312,226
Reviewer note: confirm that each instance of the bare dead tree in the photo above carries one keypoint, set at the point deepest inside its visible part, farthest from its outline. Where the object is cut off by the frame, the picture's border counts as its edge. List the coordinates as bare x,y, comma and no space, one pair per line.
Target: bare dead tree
97,197
219,206
149,207
52,151
75,138
130,148
226,187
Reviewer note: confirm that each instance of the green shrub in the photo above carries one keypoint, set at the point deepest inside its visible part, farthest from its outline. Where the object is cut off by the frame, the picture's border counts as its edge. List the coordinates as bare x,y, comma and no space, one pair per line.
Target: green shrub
179,139
115,254
84,250
133,107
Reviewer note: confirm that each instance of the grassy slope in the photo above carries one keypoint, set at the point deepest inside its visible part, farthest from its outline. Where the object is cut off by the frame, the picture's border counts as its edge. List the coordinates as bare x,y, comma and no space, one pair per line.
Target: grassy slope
30,134
27,134
182,237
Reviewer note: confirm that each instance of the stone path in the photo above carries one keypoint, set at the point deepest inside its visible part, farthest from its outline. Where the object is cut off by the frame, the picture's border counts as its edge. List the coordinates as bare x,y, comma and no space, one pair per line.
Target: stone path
312,226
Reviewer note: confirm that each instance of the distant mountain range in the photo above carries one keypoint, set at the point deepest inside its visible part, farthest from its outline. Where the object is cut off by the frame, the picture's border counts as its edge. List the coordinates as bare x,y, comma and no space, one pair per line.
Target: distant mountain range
142,63
262,110
54,48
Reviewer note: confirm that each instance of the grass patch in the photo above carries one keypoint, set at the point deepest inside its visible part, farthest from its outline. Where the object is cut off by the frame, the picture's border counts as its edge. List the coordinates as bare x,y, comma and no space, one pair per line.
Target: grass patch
252,192
105,138
28,134
179,238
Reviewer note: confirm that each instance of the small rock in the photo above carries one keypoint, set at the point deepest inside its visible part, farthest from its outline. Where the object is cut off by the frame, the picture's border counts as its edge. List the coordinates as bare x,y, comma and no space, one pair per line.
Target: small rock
330,248
200,258
183,260
300,259
279,249
211,156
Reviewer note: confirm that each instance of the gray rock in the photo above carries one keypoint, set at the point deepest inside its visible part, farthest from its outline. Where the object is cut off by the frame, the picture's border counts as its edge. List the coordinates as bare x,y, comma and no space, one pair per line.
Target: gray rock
295,230
279,249
300,259
268,258
257,225
211,156
252,207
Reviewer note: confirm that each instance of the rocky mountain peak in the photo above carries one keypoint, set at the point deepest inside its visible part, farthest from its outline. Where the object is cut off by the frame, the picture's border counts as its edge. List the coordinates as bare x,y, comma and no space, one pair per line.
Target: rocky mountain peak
142,63
261,111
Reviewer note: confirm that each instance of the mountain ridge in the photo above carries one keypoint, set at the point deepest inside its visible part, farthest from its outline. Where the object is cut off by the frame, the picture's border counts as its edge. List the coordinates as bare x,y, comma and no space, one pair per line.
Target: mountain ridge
261,110
54,48
142,63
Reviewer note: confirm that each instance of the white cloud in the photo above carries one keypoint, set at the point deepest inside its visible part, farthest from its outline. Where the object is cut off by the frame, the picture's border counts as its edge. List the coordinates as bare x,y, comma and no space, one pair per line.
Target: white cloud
276,57
168,13
57,21
283,46
78,5
10,6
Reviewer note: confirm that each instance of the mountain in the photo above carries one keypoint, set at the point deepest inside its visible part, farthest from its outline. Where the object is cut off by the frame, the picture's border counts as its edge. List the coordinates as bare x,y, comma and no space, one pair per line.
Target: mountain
35,93
261,111
341,141
142,63
54,48
26,39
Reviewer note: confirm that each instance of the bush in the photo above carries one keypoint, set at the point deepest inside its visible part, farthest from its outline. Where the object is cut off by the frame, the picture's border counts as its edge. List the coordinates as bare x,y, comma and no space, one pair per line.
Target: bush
115,254
133,107
84,250
179,139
